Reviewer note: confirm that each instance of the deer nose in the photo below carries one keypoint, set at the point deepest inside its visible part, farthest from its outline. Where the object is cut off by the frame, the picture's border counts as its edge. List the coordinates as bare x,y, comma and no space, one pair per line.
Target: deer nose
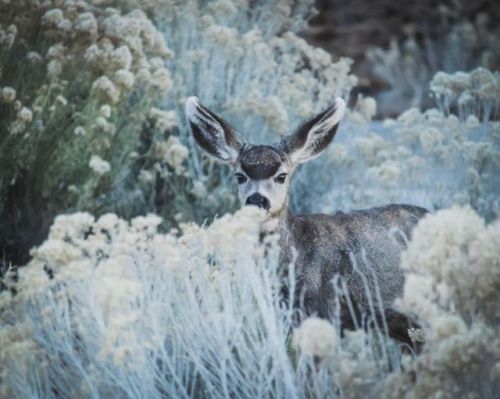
258,200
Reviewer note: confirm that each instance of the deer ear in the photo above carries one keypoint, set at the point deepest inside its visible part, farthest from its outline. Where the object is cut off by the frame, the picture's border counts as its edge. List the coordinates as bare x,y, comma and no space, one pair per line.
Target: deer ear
212,133
313,136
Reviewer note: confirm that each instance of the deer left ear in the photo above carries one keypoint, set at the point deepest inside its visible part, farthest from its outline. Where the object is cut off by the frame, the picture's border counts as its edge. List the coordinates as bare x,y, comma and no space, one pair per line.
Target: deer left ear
212,133
313,136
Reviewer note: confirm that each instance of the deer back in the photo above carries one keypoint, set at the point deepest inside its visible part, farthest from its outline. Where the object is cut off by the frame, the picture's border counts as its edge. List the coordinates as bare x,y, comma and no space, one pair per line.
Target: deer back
362,248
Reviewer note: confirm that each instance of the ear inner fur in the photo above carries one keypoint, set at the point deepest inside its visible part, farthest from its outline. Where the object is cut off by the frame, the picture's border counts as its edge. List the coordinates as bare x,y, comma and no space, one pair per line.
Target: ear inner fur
213,133
314,135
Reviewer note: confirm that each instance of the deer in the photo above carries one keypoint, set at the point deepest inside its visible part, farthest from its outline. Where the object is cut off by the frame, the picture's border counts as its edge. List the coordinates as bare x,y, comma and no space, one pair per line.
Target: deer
343,263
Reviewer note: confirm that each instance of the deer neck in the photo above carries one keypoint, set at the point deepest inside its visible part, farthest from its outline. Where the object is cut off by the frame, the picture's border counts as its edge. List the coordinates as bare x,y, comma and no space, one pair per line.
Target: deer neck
279,223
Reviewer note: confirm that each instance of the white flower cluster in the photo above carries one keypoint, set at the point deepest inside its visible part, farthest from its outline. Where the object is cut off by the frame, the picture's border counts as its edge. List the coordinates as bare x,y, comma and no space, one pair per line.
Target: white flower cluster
173,153
8,94
453,261
128,52
458,252
479,86
316,337
353,362
8,35
137,299
163,120
94,67
98,165
118,49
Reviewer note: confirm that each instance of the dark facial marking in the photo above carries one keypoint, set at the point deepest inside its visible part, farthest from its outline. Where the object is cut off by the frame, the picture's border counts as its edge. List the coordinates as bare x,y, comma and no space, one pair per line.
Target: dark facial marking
258,200
261,161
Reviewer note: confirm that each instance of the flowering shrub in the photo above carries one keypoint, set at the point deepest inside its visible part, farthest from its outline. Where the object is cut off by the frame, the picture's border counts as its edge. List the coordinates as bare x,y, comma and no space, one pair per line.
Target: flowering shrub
110,308
92,102
75,80
454,277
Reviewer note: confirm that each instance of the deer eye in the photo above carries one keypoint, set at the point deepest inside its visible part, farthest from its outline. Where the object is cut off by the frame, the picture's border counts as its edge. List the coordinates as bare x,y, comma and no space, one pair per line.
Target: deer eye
280,178
240,178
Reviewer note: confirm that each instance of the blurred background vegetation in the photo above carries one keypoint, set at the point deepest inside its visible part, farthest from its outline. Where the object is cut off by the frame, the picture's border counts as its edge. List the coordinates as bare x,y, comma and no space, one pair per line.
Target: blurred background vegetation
398,46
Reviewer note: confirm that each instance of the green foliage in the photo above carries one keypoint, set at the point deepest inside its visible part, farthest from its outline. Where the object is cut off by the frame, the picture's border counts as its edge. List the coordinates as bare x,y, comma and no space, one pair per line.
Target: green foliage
56,113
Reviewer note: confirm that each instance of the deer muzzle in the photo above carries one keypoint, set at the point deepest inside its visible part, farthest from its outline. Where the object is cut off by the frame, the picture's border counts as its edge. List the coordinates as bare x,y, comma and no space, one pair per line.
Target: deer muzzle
258,200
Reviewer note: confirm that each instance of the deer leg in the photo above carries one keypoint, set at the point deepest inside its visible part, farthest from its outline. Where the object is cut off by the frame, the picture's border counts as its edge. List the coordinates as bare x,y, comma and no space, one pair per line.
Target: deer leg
398,325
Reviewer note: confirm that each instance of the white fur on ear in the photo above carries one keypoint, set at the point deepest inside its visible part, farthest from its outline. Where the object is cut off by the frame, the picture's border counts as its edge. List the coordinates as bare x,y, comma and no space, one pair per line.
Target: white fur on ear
314,135
194,115
211,132
191,104
330,120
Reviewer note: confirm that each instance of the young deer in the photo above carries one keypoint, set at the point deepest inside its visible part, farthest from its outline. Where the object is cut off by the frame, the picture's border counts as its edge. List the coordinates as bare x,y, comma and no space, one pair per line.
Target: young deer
357,251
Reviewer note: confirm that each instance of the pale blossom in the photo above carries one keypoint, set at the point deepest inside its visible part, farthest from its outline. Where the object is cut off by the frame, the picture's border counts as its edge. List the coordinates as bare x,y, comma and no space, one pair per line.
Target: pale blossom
25,115
8,94
164,120
54,69
62,100
56,51
221,34
52,17
199,189
174,153
367,106
316,337
148,223
105,111
146,176
105,126
124,79
161,80
121,58
65,25
79,131
86,23
98,165
106,90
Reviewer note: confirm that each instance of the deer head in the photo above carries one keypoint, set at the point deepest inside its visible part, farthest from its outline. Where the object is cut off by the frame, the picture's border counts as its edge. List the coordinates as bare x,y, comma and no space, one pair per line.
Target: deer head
263,172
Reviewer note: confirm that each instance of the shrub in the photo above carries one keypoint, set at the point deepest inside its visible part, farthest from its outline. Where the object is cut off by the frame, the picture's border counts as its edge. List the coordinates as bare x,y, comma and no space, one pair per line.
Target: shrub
82,80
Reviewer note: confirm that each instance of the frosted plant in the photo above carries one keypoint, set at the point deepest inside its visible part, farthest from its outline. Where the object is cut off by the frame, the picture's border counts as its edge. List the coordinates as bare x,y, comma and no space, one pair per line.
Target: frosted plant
316,337
109,308
454,277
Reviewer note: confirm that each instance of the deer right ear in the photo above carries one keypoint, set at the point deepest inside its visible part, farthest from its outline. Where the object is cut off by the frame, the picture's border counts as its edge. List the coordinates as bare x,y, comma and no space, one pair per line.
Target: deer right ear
313,136
212,133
